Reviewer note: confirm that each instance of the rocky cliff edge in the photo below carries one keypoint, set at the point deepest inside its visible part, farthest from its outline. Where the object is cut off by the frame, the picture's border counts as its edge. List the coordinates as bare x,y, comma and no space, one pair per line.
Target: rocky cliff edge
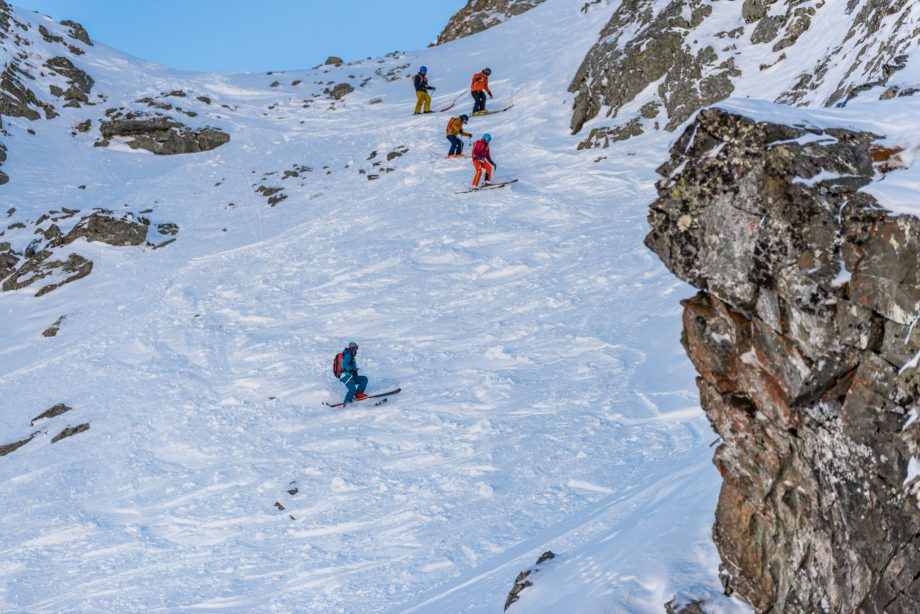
803,335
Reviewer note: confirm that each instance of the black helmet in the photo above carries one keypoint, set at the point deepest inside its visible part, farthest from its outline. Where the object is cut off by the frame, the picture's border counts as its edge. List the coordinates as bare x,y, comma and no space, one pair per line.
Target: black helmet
465,117
487,71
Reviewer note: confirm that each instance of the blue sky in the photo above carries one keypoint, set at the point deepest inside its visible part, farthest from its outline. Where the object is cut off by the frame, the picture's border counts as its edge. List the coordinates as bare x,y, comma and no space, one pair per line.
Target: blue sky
243,35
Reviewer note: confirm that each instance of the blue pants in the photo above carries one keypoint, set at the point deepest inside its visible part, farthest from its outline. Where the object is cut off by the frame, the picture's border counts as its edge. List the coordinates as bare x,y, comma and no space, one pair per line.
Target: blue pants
355,384
456,145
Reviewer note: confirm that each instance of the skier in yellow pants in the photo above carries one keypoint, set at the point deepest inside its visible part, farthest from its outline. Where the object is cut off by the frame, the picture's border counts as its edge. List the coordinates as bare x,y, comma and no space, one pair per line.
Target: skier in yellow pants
421,91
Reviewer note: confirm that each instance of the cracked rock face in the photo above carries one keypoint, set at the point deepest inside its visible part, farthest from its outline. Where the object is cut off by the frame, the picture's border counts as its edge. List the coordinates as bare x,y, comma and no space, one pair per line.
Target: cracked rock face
800,335
479,15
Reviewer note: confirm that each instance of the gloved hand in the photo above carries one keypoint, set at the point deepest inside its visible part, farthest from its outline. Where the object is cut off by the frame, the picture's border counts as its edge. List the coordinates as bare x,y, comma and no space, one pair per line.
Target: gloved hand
490,94
495,165
432,88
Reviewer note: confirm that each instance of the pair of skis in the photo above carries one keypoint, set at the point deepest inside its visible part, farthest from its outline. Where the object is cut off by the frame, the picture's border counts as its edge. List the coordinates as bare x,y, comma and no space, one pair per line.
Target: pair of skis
483,113
491,186
368,397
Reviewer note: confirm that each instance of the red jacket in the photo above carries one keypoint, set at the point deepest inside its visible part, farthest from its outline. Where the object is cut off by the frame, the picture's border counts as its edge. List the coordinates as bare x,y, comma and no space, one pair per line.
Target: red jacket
480,82
481,151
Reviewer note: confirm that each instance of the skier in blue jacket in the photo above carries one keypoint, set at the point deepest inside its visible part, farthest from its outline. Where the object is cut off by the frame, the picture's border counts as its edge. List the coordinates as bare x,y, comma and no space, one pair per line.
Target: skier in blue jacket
354,382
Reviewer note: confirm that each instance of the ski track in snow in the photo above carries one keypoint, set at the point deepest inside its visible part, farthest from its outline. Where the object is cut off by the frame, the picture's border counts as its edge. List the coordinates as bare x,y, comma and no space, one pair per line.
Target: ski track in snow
546,400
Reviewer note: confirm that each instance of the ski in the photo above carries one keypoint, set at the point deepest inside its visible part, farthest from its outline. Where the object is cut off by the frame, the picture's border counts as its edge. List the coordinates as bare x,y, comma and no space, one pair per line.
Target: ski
452,104
370,396
491,112
491,186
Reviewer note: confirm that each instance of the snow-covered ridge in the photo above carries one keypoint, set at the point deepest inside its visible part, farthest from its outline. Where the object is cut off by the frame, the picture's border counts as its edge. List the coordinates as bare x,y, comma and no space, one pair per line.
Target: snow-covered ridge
479,15
658,61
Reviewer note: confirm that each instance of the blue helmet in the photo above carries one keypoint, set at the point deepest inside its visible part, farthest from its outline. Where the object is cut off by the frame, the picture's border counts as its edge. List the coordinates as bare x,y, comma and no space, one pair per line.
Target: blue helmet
487,137
423,69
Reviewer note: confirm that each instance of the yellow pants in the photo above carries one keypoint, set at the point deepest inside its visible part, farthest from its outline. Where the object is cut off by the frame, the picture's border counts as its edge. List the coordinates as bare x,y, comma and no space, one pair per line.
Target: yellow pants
423,97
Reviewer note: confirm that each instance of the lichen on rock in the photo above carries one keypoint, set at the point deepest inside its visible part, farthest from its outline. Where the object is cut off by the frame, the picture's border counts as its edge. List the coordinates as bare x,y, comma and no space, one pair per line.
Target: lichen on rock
808,289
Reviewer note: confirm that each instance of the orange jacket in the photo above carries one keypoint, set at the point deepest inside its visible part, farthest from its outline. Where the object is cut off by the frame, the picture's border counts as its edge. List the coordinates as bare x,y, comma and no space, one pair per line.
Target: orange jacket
480,82
455,127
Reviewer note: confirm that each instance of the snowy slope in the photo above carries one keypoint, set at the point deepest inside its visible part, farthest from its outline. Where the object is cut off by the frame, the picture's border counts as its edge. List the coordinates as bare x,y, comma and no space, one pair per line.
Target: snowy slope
547,403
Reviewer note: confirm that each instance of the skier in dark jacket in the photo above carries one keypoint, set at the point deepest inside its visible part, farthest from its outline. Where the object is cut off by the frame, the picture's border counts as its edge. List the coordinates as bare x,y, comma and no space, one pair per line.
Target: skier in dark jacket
421,91
354,382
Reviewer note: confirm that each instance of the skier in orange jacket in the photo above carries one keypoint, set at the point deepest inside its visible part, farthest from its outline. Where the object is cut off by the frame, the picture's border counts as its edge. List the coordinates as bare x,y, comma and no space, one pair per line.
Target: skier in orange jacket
479,88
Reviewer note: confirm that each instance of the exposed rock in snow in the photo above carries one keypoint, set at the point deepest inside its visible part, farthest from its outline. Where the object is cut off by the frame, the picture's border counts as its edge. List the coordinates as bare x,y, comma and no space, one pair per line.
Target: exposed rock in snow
3,177
70,431
813,514
524,579
79,83
53,330
39,262
77,31
684,55
12,447
162,135
51,412
479,15
106,229
340,90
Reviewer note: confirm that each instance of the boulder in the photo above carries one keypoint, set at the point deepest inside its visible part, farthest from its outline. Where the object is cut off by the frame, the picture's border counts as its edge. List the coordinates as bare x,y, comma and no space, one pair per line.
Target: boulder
105,229
163,135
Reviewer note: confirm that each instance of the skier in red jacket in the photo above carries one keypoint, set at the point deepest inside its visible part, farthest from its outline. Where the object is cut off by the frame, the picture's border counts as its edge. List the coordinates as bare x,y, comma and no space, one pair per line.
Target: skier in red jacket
482,160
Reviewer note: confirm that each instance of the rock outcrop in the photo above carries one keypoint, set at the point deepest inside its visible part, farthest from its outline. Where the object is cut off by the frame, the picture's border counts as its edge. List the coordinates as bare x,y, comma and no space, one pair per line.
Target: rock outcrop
804,340
525,579
77,31
479,15
657,63
79,84
4,178
39,263
162,135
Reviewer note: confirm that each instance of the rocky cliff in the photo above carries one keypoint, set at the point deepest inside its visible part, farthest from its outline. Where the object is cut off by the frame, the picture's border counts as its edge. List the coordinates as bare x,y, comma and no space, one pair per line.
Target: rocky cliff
803,335
659,61
479,15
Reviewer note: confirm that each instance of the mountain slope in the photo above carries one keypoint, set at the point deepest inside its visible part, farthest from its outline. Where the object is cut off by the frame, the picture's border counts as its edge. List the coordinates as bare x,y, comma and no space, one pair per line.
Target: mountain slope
657,62
546,403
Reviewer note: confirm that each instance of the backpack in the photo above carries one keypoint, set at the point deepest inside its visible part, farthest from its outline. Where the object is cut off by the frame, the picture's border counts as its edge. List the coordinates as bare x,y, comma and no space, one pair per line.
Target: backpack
450,125
337,365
